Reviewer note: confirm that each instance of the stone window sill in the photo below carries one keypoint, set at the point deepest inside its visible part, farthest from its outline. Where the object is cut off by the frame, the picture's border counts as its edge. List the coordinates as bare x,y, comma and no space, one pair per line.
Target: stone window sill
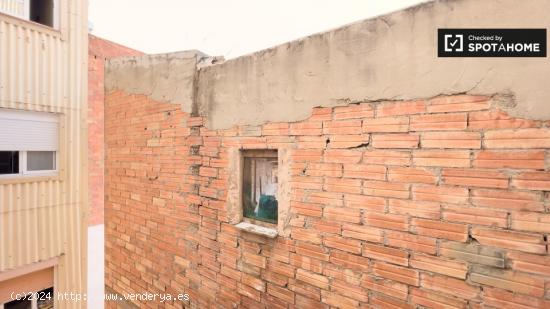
257,229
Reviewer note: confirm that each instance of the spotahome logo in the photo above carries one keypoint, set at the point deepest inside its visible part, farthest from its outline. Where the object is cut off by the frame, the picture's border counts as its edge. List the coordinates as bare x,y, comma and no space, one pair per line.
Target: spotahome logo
491,42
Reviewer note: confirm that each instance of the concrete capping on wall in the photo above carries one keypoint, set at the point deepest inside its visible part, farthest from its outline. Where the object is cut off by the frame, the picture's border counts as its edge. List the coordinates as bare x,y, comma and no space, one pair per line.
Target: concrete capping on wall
387,57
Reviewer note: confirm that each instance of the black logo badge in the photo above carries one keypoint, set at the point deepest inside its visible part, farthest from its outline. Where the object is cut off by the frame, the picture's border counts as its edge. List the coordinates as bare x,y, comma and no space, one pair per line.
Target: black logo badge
491,42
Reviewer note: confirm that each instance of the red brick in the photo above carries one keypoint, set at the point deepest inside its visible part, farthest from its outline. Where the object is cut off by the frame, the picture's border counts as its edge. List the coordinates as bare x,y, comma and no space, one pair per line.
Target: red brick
532,181
449,286
531,221
306,209
349,290
474,178
388,287
344,244
529,263
509,280
348,260
306,262
326,198
327,227
458,103
254,259
387,221
386,189
498,120
428,210
311,141
281,268
400,108
452,268
362,232
306,235
438,229
442,194
324,169
337,300
344,185
431,299
507,199
347,141
342,156
456,140
342,214
442,158
525,159
342,127
308,303
475,215
253,282
248,292
281,293
363,110
397,273
388,125
411,174
311,250
365,171
307,182
411,242
370,203
321,114
386,254
387,157
319,281
387,302
522,138
498,298
306,128
532,243
438,122
395,140
306,155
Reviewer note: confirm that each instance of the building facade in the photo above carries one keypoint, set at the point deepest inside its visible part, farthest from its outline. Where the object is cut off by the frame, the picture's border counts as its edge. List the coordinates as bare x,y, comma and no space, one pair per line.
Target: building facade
349,169
43,151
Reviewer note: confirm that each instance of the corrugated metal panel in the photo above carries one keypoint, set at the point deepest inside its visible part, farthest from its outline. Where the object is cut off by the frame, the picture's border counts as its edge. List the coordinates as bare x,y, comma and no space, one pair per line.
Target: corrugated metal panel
46,70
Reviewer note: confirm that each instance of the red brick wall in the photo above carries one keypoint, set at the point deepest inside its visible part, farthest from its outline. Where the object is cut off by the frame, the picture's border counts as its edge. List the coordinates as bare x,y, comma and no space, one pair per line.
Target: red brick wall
98,51
439,203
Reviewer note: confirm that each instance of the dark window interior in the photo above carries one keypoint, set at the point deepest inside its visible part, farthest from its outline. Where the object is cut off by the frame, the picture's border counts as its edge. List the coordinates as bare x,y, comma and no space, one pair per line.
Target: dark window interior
9,162
45,299
42,12
18,304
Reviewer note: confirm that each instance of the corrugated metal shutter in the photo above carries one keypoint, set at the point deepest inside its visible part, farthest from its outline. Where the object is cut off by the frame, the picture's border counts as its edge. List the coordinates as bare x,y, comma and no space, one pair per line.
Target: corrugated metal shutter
22,130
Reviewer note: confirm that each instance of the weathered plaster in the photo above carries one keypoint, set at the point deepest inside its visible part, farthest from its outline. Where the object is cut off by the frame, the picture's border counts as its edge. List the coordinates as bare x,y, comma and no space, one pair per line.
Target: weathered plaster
388,57
164,77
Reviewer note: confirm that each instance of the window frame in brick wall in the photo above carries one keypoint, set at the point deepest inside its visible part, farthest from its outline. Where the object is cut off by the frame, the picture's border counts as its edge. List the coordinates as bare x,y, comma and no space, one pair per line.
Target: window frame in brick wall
259,187
235,199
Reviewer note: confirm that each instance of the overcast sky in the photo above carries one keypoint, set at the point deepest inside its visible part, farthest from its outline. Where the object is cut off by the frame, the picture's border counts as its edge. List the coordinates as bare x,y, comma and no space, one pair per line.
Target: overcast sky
225,27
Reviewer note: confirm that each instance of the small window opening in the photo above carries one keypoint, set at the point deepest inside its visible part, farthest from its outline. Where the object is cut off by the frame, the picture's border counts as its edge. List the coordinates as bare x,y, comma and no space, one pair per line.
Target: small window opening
9,162
42,12
260,182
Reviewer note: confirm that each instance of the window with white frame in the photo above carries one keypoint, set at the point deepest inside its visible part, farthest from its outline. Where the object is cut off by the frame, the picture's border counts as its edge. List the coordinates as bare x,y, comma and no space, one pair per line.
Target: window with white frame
44,12
28,143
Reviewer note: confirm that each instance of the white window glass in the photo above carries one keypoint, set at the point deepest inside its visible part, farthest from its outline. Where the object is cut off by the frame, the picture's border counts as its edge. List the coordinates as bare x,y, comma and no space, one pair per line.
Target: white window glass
40,160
